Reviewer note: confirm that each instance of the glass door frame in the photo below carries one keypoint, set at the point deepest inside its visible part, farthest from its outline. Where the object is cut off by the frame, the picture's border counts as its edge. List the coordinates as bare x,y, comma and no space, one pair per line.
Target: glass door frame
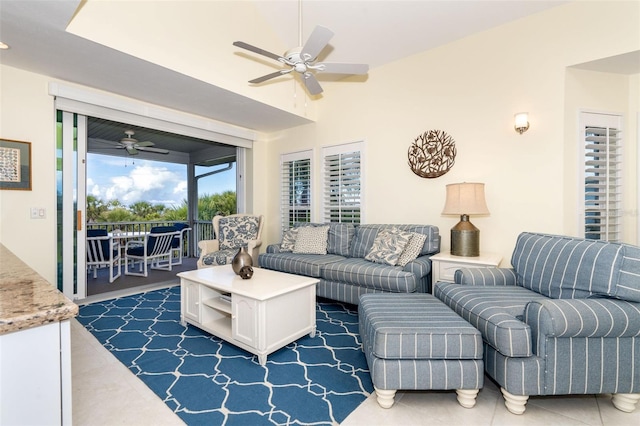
71,144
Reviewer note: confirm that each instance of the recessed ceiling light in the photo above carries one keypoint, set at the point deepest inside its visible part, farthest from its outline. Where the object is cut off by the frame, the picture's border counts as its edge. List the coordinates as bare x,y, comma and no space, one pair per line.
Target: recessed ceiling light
3,46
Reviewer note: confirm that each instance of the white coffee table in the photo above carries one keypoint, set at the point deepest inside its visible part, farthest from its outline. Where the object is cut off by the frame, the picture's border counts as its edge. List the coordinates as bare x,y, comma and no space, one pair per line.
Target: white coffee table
259,315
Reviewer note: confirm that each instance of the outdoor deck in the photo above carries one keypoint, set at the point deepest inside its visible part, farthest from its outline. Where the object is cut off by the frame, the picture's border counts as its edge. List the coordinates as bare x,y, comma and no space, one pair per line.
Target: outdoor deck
102,286
200,230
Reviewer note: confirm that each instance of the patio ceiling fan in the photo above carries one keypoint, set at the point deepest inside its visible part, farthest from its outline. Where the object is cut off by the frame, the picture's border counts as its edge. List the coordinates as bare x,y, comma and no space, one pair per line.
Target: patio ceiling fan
302,60
133,146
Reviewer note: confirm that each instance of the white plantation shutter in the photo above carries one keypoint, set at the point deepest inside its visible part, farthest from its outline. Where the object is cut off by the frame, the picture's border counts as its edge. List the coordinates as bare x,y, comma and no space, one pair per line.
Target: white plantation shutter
602,176
342,183
296,188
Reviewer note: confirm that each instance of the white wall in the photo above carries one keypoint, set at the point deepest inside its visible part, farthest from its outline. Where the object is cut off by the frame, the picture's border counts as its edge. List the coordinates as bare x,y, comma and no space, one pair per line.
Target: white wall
471,89
198,43
27,114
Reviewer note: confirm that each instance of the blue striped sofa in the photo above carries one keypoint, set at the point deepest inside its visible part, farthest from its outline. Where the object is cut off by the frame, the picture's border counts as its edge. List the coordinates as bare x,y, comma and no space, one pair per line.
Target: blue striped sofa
565,319
344,274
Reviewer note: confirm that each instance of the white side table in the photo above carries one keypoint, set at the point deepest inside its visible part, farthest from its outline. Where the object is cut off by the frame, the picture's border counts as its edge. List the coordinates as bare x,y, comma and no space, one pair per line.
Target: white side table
444,265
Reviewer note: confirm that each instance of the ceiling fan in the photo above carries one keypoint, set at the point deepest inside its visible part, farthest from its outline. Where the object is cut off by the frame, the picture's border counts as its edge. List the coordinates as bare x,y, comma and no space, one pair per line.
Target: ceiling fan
302,60
133,146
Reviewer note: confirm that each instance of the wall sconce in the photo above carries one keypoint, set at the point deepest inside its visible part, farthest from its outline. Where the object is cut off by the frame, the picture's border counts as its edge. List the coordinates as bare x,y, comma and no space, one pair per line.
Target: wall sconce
464,199
522,122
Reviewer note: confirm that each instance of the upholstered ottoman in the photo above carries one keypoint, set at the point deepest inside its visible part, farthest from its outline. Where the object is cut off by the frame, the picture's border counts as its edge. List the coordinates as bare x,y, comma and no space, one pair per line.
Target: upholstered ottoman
414,341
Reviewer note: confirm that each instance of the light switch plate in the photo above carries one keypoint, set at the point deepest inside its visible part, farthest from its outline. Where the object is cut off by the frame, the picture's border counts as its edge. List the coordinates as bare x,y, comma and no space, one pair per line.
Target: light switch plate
38,213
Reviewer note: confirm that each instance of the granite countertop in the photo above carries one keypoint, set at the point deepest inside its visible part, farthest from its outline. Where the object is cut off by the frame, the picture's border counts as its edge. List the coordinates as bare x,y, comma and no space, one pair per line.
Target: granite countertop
26,299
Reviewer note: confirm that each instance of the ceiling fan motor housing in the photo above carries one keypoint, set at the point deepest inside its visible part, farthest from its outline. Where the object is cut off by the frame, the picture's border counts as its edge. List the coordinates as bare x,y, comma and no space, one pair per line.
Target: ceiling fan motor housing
294,59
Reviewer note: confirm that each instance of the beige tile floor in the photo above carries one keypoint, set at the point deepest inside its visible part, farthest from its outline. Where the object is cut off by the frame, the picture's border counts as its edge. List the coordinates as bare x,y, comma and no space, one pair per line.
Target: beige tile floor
106,393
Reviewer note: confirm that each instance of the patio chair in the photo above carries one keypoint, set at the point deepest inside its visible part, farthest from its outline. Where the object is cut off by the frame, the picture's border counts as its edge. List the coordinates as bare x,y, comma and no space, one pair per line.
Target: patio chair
103,251
178,242
155,251
231,233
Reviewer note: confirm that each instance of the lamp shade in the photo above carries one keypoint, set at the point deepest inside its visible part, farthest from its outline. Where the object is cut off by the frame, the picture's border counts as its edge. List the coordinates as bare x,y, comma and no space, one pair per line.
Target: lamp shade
522,119
465,198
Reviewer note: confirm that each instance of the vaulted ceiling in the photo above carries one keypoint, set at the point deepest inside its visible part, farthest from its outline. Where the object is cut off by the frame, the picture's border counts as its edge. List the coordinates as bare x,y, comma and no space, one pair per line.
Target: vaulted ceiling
373,32
366,31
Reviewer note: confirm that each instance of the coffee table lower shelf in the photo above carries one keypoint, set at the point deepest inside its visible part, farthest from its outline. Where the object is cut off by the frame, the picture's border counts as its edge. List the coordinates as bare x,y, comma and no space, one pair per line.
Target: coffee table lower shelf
220,328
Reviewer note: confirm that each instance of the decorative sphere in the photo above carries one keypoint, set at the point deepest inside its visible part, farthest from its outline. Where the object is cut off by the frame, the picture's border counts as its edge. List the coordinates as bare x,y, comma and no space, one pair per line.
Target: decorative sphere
246,272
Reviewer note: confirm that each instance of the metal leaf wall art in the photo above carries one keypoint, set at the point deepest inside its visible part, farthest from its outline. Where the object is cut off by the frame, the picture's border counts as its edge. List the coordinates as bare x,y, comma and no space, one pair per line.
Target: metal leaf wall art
432,154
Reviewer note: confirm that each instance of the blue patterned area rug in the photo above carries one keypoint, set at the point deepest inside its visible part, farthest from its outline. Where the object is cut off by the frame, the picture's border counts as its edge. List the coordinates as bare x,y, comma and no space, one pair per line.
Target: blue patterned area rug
204,380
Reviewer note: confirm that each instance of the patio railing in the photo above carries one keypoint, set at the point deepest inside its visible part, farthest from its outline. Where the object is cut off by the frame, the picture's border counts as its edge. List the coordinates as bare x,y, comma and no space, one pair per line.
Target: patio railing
201,230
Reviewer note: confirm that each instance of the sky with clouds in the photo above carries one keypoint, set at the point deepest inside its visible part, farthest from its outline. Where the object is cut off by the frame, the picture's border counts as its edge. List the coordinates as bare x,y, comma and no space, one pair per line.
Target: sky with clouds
130,180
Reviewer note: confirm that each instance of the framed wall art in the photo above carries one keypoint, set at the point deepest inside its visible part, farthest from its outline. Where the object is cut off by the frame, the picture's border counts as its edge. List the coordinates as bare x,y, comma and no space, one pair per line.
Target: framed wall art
15,165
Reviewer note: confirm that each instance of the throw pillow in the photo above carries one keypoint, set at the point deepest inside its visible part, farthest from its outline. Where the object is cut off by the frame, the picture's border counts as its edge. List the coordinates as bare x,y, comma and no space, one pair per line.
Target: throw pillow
311,240
388,246
339,239
289,240
220,257
237,231
362,242
432,243
412,249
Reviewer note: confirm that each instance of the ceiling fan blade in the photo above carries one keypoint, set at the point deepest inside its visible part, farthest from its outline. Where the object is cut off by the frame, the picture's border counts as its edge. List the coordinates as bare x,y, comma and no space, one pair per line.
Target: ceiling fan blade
110,144
257,50
156,150
145,143
269,76
311,83
317,41
339,68
131,150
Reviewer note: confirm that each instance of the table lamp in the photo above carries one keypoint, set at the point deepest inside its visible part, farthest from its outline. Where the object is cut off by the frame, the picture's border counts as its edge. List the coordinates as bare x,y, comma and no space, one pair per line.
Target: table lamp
465,199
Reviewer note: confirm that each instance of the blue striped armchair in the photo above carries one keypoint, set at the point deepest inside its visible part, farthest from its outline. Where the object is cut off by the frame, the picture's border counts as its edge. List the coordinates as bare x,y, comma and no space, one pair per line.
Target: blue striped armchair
565,319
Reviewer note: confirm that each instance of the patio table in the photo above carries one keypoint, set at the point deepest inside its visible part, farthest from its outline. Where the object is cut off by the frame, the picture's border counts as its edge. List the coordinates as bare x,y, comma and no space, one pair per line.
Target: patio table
125,236
128,235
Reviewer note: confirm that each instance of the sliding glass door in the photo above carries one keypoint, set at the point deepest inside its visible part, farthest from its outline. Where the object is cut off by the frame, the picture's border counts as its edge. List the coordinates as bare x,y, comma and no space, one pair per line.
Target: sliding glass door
71,143
74,106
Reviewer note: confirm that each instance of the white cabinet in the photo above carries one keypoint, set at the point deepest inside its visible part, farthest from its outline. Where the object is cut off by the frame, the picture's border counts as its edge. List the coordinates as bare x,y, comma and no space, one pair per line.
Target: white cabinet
444,265
191,301
244,320
35,347
260,315
35,376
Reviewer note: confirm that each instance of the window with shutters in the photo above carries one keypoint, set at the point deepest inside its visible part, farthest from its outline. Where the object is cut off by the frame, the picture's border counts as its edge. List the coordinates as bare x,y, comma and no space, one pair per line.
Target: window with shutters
296,201
342,183
602,186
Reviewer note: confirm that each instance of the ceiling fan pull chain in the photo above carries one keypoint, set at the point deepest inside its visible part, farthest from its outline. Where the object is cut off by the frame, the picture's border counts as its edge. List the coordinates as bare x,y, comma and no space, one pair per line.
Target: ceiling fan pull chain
300,23
295,93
